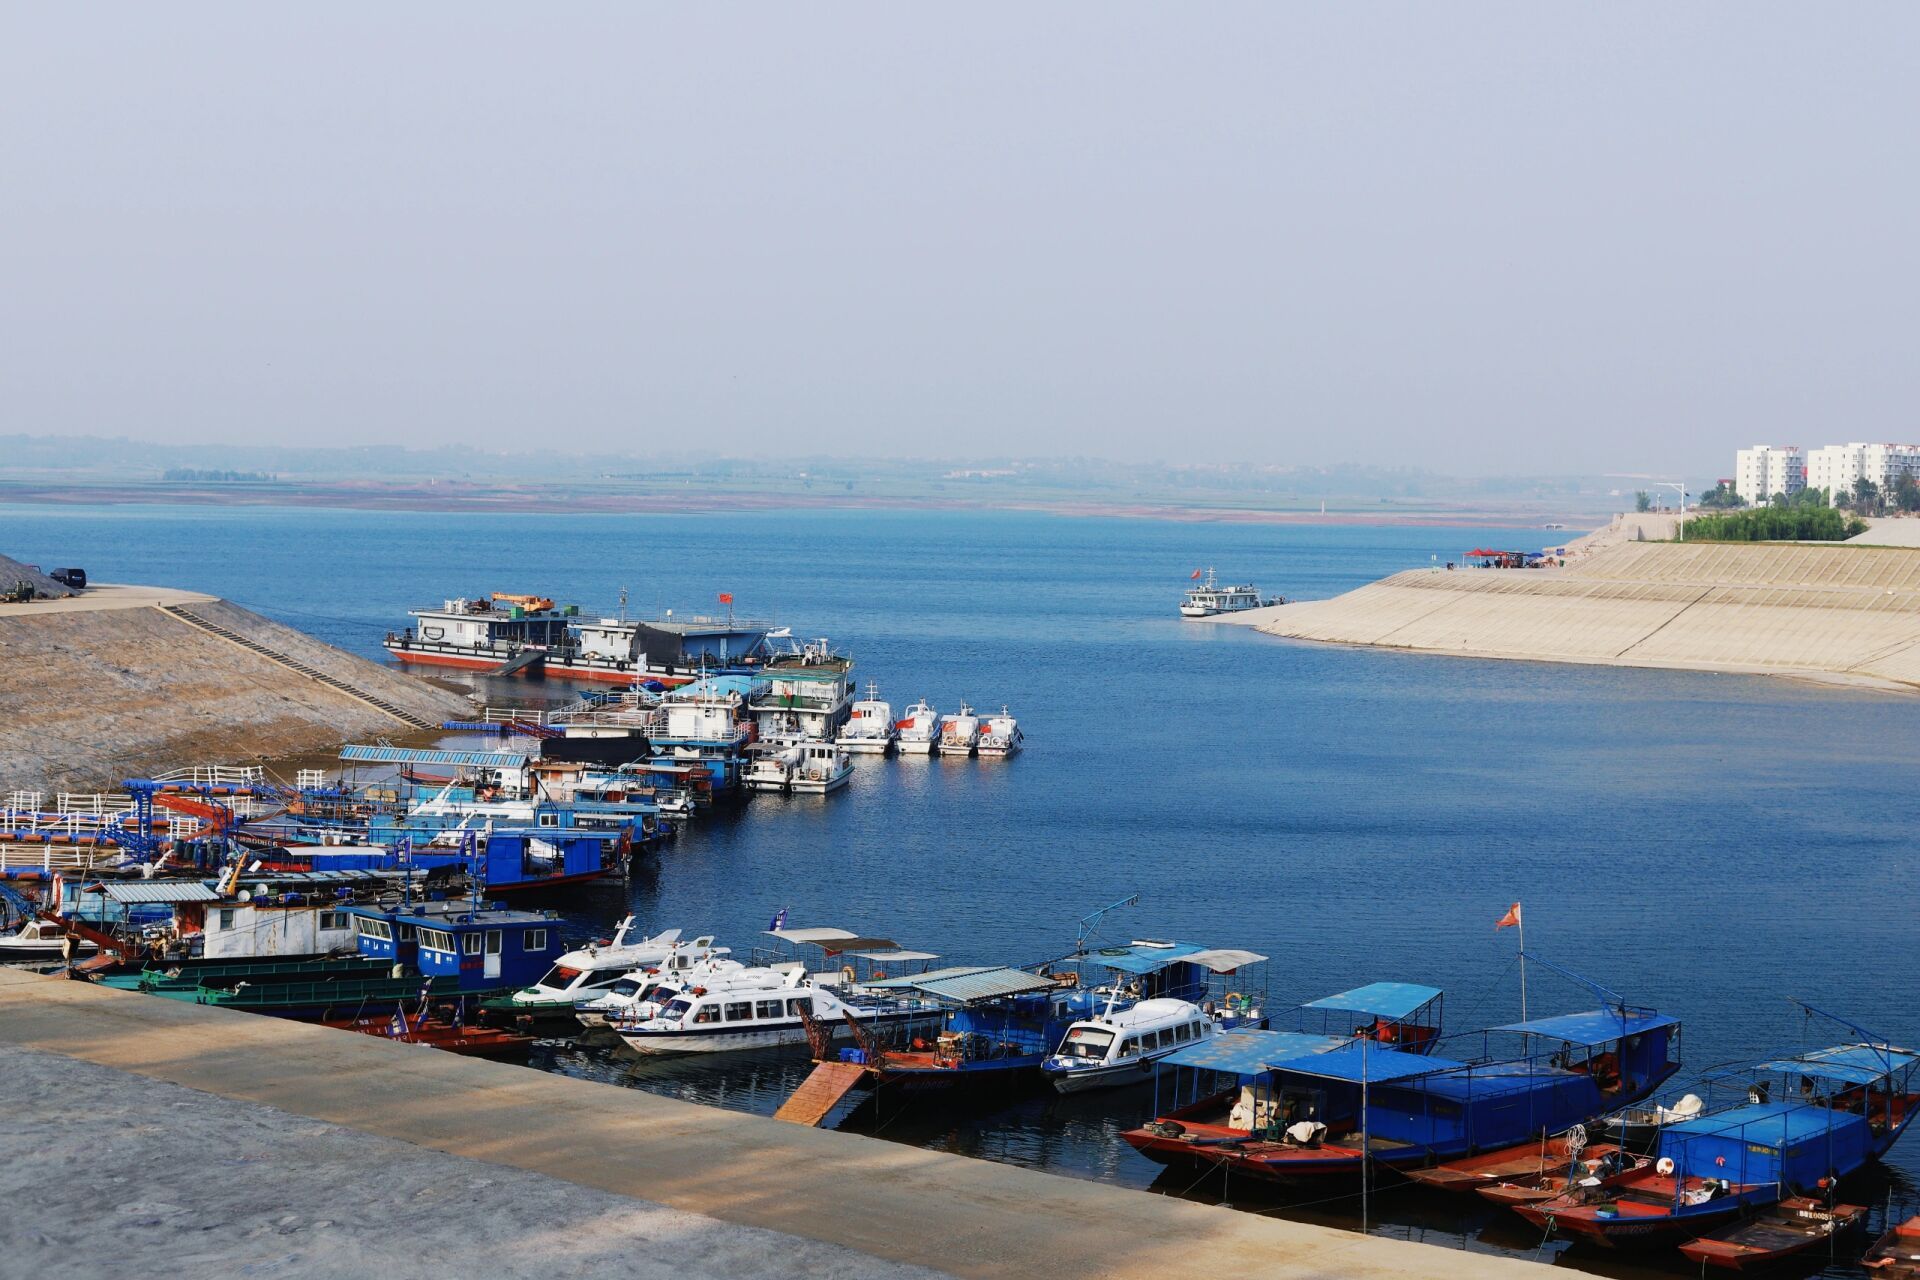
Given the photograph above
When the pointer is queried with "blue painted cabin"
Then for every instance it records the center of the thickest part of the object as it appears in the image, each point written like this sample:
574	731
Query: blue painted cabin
461	947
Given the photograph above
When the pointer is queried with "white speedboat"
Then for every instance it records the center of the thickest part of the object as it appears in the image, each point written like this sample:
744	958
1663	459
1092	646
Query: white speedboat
959	733
919	730
591	971
1001	736
40	940
823	766
870	730
1210	598
645	992
771	767
1121	1046
757	1009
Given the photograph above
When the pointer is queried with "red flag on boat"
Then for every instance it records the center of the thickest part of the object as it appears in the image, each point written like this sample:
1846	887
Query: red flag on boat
1511	919
1195	575
726	597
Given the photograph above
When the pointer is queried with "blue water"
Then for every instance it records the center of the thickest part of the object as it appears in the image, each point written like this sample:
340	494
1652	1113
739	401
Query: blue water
1706	844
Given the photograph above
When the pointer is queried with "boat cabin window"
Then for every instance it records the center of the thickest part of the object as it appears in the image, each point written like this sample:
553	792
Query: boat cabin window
794	1007
1199	1030
740	1012
333	919
549	819
405	933
1087	1042
767	1009
436	940
534	940
375	929
470	944
710	1013
676	1009
559	976
226	919
625	987
1183	1032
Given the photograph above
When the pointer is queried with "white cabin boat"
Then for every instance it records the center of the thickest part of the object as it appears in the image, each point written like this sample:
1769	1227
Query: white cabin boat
756	1009
642	993
1210	598
823	767
592	971
919	730
959	733
40	940
770	767
1121	1046
870	730
1000	735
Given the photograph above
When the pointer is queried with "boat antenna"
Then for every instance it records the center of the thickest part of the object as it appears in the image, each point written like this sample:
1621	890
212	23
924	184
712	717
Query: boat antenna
1089	924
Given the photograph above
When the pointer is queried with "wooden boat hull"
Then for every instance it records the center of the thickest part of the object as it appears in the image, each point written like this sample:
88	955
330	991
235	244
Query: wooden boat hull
1795	1227
1895	1255
473	1042
1634	1231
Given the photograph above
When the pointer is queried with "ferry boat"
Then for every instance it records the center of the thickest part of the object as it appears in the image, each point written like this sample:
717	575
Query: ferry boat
1160	1001
507	634
759	1008
1801	1122
1000	736
959	733
919	730
804	695
642	993
870	730
1210	598
41	940
588	972
823	767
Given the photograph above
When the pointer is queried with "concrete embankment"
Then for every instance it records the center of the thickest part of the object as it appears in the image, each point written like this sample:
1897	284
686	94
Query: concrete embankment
1833	612
877	1199
121	680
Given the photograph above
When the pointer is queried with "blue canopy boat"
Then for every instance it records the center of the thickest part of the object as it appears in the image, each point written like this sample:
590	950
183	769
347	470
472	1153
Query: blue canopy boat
1799	1124
1300	1106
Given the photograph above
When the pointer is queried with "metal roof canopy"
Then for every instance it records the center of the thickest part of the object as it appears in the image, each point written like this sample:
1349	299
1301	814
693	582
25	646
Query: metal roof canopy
150	891
898	955
966	984
364	754
1846	1063
1143	957
838	945
1381	999
1250	1052
812	935
1225	959
1593	1027
1360	1062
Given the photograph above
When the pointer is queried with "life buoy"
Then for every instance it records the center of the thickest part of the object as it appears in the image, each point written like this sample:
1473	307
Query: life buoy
846	973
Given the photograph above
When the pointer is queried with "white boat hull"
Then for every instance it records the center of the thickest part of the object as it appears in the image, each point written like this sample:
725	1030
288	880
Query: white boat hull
1196	611
820	786
721	1042
956	748
1109	1077
916	746
866	746
1000	753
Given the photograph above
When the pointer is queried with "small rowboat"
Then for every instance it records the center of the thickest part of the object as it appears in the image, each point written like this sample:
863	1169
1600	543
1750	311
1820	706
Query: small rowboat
1796	1225
1604	1167
473	1041
1896	1255
1548	1161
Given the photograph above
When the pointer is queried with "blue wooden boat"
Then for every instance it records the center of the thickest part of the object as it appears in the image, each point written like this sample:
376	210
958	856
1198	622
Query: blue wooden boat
1800	1123
1300	1106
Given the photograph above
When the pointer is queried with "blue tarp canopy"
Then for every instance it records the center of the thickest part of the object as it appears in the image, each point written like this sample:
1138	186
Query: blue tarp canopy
1847	1063
1143	957
1594	1027
1777	1123
423	755
1381	999
968	983
1249	1053
1356	1061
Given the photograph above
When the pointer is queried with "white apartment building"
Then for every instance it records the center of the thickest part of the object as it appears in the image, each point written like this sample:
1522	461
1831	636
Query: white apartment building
1836	467
1767	469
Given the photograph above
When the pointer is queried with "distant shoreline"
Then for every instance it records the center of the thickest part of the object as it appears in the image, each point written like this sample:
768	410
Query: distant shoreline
525	499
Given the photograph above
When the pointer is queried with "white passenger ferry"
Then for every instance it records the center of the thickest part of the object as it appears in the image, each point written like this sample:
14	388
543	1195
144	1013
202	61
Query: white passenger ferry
959	733
756	1009
1001	735
1120	1047
1210	598
643	993
871	730
591	971
919	730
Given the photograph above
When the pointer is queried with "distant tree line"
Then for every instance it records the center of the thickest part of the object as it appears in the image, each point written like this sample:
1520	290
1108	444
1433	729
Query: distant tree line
1805	522
195	475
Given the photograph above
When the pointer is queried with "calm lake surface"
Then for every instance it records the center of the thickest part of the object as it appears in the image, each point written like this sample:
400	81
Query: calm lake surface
1706	844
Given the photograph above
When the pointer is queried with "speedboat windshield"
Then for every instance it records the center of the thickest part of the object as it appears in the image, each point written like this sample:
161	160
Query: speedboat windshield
1086	1042
560	977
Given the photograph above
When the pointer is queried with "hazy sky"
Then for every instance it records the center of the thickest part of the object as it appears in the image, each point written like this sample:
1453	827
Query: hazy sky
1526	237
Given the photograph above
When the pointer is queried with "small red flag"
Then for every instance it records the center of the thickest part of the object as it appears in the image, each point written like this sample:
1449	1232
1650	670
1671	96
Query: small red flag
1196	575
726	597
1510	919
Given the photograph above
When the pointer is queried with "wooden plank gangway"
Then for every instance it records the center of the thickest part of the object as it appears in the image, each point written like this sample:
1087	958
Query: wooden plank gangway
820	1093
